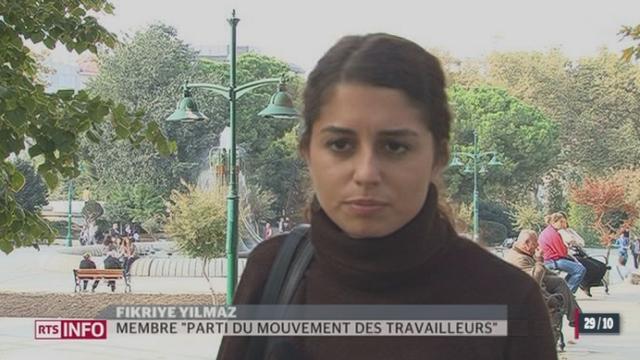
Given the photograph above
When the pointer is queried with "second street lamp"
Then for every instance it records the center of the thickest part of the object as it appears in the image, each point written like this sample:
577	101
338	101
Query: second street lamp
280	106
475	160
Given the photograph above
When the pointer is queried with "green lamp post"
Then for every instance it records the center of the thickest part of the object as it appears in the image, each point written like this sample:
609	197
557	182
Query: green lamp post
280	106
475	161
70	199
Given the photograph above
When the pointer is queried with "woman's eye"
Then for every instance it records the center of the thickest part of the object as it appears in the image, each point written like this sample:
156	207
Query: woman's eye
396	147
340	145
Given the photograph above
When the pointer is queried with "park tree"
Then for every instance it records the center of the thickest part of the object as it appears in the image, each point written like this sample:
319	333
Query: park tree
145	73
526	215
284	172
607	200
138	203
52	124
606	101
524	138
582	97
194	236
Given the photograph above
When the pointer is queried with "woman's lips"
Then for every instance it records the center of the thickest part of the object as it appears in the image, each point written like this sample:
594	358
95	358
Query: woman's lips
365	207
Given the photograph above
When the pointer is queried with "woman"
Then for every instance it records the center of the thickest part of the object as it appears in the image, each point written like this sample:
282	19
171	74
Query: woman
623	244
635	251
128	252
555	251
375	140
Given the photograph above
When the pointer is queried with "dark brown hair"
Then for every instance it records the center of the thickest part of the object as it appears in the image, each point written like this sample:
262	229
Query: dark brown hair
387	61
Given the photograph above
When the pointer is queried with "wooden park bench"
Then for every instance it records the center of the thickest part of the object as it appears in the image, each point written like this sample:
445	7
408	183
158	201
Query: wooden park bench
101	274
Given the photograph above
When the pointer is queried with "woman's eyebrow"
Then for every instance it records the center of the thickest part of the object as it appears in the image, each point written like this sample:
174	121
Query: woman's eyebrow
398	132
391	132
338	130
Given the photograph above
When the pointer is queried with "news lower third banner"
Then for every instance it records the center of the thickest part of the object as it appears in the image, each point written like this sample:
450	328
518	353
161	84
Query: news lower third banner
284	320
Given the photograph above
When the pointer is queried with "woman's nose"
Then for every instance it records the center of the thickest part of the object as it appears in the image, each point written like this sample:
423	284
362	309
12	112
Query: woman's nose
367	170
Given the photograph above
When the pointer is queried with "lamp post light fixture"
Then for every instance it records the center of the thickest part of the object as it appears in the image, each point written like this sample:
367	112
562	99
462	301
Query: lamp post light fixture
475	159
280	106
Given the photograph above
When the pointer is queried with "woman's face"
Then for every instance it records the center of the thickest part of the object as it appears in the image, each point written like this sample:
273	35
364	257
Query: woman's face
371	159
561	224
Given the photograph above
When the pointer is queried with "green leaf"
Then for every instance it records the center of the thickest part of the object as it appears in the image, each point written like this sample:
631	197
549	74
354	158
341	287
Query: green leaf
78	12
122	132
49	42
51	179
37	37
16	181
92	137
6	246
35	150
65	94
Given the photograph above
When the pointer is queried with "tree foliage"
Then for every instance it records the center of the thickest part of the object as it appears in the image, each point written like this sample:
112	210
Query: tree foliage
526	215
197	223
33	195
524	138
611	210
633	34
53	123
593	95
270	145
134	203
145	73
581	219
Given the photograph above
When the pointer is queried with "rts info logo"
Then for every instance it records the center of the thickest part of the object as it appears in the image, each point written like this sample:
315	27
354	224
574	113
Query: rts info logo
71	329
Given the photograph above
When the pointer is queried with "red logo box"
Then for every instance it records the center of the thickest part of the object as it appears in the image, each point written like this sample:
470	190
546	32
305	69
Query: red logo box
70	329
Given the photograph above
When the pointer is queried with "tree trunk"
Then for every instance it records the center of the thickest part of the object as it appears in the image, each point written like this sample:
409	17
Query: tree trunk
205	273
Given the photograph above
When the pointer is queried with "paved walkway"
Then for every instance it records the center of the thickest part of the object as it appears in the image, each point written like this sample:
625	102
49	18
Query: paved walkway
29	270
42	272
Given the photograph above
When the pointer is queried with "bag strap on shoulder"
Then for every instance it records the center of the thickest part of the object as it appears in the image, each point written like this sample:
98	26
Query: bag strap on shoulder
282	264
288	268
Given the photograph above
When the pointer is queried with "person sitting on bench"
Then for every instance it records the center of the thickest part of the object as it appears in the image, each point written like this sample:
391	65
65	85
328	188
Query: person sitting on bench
556	256
112	262
87	263
527	256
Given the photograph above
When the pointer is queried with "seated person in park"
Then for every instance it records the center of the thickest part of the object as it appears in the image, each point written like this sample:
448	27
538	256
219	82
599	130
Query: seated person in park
128	252
87	263
112	262
555	252
527	256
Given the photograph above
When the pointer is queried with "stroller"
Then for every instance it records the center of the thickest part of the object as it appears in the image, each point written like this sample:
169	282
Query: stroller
596	270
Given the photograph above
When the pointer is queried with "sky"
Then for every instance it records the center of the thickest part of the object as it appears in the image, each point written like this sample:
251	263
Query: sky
300	31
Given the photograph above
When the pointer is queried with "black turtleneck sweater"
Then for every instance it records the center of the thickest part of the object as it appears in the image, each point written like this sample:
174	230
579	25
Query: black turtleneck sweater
424	262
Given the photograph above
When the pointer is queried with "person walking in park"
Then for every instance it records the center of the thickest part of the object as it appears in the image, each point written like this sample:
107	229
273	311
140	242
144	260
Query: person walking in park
87	263
281	225
635	251
268	231
376	141
556	256
623	244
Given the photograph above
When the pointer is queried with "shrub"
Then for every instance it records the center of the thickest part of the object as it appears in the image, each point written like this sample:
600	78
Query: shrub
492	233
197	222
